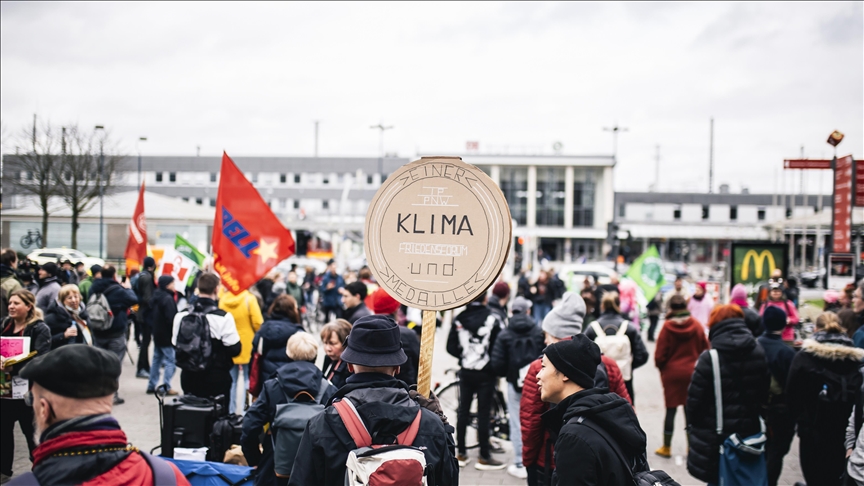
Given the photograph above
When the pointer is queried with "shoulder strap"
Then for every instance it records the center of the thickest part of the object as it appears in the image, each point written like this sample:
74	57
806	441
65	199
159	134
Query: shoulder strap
601	334
163	473
27	478
718	389
408	435
612	443
622	328
353	423
321	389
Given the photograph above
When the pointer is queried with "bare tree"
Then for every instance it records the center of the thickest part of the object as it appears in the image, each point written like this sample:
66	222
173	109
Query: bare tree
79	174
31	170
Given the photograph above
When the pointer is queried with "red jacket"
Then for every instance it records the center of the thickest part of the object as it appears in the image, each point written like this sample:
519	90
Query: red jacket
132	471
534	436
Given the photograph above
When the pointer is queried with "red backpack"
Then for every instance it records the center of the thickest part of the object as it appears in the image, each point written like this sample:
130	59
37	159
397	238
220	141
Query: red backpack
381	464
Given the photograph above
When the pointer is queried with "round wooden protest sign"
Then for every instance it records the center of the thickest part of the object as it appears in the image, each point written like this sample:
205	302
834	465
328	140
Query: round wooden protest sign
437	233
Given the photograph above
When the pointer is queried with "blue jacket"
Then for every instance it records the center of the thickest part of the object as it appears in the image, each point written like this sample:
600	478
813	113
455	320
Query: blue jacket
120	299
290	380
275	333
331	296
858	338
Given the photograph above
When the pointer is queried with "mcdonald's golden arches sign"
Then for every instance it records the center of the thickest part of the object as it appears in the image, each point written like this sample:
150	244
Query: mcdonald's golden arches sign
754	262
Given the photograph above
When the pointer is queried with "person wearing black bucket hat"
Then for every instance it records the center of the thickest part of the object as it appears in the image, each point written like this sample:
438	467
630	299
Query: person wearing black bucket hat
374	354
587	420
79	440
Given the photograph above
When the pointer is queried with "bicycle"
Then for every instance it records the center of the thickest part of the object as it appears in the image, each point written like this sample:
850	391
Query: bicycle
32	236
499	418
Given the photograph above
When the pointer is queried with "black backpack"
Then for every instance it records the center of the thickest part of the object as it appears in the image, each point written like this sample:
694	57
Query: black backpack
639	471
226	432
194	348
523	351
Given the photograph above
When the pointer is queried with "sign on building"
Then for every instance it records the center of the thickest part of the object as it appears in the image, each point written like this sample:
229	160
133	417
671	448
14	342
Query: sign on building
841	221
754	262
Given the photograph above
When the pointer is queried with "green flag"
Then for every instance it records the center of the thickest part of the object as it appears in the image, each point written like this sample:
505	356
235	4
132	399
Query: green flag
647	272
188	249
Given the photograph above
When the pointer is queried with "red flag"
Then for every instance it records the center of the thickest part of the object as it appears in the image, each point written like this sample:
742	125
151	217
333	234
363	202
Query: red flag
136	246
248	239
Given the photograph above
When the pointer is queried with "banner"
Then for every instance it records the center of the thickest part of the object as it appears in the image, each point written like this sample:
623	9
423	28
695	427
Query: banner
841	221
189	250
179	266
753	263
248	239
647	272
136	245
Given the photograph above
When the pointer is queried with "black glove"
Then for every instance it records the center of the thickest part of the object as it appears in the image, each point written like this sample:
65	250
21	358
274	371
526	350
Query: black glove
430	403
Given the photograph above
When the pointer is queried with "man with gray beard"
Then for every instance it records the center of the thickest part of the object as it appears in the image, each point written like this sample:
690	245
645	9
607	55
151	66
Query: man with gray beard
79	441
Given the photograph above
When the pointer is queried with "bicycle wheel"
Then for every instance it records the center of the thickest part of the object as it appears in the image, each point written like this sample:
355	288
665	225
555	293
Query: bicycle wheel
448	398
25	241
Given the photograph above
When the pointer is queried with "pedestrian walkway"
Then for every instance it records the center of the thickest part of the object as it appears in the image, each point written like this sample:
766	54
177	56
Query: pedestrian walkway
139	417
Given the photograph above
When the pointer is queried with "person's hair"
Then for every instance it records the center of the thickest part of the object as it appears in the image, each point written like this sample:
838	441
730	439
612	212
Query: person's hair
610	302
849	321
286	306
829	322
108	271
340	327
861	287
65	291
723	312
302	347
8	256
677	302
132	272
208	283
588	297
34	314
364	274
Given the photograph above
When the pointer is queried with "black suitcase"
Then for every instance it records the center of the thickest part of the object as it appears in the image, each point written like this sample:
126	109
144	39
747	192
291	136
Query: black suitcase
187	421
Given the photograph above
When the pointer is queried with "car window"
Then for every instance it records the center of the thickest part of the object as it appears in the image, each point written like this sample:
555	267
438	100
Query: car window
77	254
48	255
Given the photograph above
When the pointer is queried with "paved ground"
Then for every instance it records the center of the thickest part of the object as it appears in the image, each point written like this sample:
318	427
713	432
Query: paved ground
139	417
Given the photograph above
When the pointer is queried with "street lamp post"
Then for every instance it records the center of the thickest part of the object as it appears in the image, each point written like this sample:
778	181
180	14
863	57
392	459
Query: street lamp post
140	139
615	130
101	190
382	128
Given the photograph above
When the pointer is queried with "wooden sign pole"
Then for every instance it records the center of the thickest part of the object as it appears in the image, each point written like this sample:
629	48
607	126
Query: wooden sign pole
427	349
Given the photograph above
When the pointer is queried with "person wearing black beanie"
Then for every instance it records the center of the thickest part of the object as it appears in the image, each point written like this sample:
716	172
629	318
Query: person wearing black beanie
779	422
587	421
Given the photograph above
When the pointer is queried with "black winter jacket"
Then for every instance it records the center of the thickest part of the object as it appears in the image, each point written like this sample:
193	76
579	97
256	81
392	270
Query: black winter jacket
275	333
779	356
583	456
353	313
744	379
610	322
163	308
58	320
516	347
120	300
824	356
472	337
386	410
338	375
411	346
753	321
498	309
145	286
40	339
290	380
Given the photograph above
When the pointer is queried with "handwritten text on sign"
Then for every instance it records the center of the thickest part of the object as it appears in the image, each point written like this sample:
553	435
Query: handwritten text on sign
437	233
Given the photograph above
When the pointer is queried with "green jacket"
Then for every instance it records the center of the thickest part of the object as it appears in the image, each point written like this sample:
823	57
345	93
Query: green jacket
84	287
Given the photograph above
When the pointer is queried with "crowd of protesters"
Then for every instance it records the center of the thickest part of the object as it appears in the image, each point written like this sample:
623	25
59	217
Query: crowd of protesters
567	359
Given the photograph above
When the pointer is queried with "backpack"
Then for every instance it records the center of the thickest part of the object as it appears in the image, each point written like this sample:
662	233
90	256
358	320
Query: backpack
163	473
399	463
642	477
226	432
616	346
523	351
288	426
194	348
101	316
742	460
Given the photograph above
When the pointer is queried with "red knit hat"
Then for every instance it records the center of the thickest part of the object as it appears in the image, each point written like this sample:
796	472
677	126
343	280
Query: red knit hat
382	303
501	290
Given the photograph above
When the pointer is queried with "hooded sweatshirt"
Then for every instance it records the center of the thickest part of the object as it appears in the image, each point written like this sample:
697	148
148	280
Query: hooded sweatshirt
589	458
682	339
247	316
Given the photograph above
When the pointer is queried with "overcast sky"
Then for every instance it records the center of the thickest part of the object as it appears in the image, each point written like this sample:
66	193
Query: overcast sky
252	78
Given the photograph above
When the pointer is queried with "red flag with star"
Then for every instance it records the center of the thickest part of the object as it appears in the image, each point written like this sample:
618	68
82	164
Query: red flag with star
248	239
